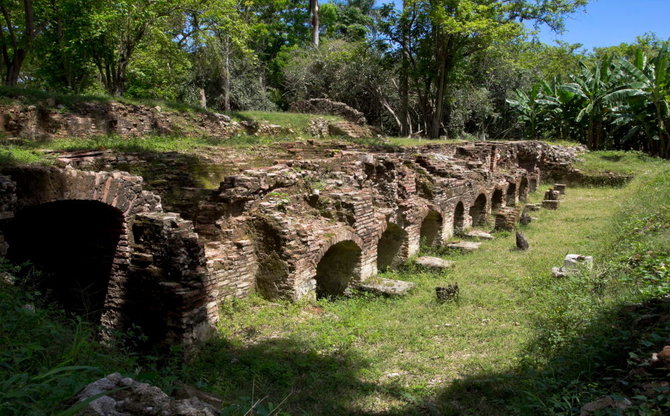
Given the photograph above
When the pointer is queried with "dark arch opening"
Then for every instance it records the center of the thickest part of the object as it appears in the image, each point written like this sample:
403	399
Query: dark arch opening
72	244
511	194
497	200
459	218
431	229
478	210
523	189
389	249
337	268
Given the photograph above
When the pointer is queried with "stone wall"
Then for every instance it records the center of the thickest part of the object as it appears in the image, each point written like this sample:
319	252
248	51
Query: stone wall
298	229
326	106
41	122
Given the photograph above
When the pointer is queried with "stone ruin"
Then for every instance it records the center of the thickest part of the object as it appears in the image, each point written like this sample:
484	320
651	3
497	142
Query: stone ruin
301	228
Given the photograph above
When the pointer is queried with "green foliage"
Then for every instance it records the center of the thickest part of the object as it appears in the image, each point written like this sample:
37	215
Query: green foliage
613	103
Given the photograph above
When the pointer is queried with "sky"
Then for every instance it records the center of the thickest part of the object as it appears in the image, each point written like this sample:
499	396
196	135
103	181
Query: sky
611	22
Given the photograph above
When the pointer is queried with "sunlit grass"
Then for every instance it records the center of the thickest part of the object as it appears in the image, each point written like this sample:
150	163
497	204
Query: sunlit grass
400	351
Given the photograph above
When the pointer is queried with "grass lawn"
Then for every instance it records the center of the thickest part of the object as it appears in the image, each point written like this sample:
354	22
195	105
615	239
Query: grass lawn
369	355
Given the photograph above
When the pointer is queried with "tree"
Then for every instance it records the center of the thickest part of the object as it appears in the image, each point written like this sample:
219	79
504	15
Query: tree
17	33
645	96
314	12
118	28
447	32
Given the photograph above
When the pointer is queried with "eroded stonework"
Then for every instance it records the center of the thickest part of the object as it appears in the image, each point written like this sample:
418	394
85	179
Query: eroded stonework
302	228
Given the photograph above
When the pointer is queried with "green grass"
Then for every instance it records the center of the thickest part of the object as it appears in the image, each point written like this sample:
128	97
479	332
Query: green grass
12	155
618	162
297	122
47	356
374	355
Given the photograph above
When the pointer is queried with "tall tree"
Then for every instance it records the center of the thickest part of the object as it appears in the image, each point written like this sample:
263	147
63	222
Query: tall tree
314	12
17	34
450	31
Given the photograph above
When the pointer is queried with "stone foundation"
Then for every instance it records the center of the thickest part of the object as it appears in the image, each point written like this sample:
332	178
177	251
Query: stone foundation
301	228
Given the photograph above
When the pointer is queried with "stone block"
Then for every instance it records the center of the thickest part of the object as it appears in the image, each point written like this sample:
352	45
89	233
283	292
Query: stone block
435	263
551	204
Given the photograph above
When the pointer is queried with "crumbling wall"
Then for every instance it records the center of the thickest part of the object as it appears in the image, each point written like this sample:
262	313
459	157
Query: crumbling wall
280	229
326	106
86	119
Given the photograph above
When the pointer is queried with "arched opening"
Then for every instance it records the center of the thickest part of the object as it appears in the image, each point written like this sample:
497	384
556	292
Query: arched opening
511	194
389	249
431	229
523	189
478	211
497	200
459	218
73	246
337	268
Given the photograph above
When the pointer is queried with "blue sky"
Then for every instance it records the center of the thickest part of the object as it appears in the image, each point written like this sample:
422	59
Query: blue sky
611	22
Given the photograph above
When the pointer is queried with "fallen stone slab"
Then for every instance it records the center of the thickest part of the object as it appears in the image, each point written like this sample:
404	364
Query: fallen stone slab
560	188
466	246
434	263
385	287
482	235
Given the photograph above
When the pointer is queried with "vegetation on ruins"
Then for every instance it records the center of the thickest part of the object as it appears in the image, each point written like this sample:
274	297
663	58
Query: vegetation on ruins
241	202
516	342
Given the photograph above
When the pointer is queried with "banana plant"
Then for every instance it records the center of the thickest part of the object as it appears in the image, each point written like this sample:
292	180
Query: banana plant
645	107
529	110
592	88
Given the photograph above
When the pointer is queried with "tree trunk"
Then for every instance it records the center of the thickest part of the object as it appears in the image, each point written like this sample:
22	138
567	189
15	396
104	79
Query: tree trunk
20	48
314	10
439	96
203	98
226	79
14	68
404	78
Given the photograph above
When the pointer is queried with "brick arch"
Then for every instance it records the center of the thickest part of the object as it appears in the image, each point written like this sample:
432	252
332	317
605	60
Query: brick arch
431	231
511	193
458	217
338	236
392	245
82	246
478	209
150	242
120	190
523	188
339	264
497	199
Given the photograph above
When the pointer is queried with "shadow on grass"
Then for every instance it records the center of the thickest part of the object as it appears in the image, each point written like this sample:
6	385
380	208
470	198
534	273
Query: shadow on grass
307	381
606	358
